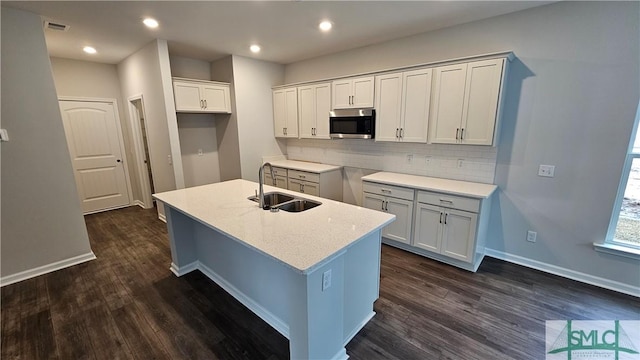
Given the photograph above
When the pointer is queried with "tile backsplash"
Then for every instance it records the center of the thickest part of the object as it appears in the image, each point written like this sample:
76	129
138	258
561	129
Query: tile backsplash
457	162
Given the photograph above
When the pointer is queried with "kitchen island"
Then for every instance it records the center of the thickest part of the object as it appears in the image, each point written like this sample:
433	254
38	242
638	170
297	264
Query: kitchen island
312	275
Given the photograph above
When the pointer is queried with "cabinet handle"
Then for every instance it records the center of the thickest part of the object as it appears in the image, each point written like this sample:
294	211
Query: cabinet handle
301	188
397	131
401	133
461	133
382	205
386	191
302	176
201	105
446	201
441	217
445	218
284	131
205	104
457	131
386	206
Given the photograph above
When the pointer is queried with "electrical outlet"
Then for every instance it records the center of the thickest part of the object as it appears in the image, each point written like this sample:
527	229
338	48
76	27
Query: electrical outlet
409	158
169	159
531	236
326	280
460	163
546	170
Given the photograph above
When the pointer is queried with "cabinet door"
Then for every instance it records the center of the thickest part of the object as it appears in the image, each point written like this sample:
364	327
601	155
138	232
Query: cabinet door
362	92
448	101
458	237
373	201
428	232
323	106
187	96
291	128
310	188
399	230
307	111
279	112
481	101
388	106
216	98
281	182
416	98
341	94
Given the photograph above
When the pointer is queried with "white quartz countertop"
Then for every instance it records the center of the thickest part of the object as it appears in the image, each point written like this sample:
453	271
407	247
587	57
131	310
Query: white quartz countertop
305	166
454	187
303	241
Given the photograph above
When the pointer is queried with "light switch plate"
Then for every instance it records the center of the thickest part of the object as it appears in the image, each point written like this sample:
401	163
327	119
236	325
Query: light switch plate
546	170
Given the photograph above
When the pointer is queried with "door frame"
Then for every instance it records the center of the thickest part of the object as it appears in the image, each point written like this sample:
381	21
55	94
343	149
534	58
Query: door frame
138	151
116	113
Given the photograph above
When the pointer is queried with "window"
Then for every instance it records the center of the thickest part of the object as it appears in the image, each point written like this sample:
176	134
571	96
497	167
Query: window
623	236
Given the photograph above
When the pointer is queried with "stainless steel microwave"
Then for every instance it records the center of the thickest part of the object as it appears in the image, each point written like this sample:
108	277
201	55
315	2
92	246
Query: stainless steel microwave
352	124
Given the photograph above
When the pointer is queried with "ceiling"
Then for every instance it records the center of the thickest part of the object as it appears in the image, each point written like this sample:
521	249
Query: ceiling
287	31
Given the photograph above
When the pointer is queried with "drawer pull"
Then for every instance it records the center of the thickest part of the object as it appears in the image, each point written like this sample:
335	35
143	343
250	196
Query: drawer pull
301	176
446	201
386	191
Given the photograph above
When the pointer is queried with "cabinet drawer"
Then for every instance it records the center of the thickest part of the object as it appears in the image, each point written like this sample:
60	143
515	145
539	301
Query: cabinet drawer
303	175
278	171
388	190
449	201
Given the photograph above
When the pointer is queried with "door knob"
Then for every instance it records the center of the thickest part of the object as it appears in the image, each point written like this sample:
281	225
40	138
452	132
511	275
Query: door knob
118	160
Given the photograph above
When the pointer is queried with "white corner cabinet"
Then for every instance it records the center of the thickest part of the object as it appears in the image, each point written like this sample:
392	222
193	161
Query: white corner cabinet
285	112
446	220
467	101
352	93
200	96
402	106
308	178
314	104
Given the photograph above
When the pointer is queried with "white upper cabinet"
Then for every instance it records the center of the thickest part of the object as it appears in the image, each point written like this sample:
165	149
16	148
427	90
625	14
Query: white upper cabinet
198	96
466	102
285	112
352	93
402	106
314	104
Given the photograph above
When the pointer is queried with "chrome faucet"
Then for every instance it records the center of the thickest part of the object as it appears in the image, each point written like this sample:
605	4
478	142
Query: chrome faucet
261	181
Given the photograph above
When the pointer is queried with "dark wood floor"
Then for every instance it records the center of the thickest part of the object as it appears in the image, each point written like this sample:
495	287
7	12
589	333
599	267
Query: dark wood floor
128	305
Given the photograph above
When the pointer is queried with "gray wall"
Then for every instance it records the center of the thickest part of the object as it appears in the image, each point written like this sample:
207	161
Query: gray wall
140	75
227	125
571	101
42	220
253	80
95	80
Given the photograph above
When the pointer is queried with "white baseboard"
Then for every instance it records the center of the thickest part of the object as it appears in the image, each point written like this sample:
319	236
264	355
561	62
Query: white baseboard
139	203
179	271
41	270
162	217
564	272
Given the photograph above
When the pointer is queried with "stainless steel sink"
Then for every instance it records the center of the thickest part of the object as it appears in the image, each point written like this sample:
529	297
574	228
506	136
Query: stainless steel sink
296	205
275	201
273	198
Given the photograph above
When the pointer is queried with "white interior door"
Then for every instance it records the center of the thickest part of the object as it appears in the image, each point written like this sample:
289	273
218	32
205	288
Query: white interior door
95	146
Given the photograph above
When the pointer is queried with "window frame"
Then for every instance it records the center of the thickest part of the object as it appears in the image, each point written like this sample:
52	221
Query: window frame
610	244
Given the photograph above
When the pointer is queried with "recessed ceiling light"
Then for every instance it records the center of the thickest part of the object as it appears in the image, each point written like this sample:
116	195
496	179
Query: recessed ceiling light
89	50
325	25
151	23
254	48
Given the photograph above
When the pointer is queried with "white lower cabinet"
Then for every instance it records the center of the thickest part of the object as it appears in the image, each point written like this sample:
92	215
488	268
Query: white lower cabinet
445	231
394	200
448	228
305	187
